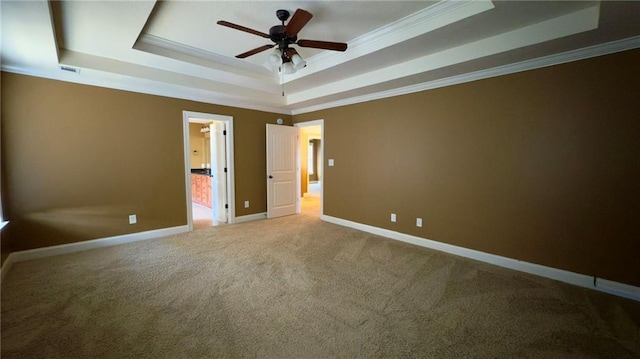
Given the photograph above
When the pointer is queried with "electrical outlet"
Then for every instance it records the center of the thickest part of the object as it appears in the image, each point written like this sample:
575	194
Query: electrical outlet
418	222
393	217
133	219
246	204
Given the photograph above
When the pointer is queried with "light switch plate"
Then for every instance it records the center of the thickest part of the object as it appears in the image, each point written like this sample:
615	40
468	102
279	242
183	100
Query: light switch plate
330	162
133	219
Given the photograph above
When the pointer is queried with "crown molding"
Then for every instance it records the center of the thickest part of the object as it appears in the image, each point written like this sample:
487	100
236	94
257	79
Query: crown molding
147	87
550	60
562	26
162	89
162	47
426	20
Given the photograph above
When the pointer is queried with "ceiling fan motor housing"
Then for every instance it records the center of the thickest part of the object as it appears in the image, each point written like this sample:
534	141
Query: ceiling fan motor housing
278	35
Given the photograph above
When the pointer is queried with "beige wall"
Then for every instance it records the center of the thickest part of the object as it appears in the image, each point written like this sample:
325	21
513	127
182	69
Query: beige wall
196	142
79	159
540	166
316	150
304	170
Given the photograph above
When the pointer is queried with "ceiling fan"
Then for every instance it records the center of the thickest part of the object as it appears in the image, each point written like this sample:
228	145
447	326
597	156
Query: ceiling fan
285	58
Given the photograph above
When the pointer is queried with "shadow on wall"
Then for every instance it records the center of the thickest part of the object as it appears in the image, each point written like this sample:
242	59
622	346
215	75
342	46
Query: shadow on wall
73	224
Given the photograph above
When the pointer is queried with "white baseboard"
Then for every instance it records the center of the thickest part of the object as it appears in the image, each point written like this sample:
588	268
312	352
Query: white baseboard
619	289
6	267
582	280
30	254
251	217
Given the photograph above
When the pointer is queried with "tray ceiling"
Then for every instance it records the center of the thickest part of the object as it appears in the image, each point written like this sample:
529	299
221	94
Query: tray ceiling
175	48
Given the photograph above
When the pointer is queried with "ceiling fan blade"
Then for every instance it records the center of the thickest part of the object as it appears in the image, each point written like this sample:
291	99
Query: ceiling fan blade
327	45
242	28
297	22
254	51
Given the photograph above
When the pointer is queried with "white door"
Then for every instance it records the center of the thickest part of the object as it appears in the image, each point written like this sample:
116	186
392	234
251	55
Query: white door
218	171
282	179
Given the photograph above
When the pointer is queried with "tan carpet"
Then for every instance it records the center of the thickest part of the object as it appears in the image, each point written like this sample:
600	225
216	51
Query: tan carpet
296	287
202	216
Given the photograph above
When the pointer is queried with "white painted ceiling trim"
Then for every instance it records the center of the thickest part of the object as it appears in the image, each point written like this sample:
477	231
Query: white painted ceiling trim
579	21
550	60
402	47
134	84
419	23
163	47
161	89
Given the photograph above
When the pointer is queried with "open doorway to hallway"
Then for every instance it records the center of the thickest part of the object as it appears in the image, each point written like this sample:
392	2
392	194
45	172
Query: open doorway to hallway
208	140
312	169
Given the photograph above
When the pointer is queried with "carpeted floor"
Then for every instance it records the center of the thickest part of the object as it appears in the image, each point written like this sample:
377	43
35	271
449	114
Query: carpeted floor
296	287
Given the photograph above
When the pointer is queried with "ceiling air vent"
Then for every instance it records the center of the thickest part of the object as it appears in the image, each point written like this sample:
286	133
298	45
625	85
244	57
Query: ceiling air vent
75	70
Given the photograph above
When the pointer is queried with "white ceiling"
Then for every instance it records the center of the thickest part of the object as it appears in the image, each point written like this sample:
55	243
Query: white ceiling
175	48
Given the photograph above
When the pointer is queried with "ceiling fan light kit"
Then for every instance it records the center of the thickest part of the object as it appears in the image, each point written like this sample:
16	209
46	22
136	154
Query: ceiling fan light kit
285	59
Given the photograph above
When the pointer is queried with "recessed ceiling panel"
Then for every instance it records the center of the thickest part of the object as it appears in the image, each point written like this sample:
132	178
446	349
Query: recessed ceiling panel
193	23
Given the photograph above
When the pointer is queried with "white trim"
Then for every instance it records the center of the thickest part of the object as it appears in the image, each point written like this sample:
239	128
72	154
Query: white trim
619	289
251	217
231	190
6	267
541	62
557	27
163	47
103	79
2	224
30	254
580	280
187	169
298	172
429	19
603	285
21	256
180	92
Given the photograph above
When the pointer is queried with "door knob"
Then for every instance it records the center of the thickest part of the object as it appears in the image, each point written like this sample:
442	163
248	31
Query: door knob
270	176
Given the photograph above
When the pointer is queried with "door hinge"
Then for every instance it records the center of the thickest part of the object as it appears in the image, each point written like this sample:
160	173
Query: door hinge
226	206
224	132
225	170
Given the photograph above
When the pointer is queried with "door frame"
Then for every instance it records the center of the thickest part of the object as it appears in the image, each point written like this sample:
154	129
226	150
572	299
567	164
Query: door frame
218	171
231	192
319	122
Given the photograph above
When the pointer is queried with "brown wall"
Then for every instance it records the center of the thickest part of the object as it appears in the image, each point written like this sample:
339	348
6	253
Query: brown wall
79	159
541	166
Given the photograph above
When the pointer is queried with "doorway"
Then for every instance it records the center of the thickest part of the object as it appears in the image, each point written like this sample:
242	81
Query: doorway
209	172
311	149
